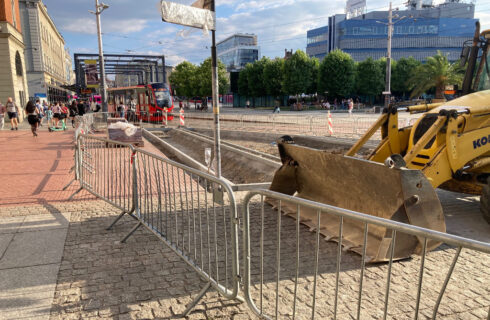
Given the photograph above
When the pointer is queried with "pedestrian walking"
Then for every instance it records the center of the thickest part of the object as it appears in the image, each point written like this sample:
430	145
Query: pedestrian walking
13	113
81	108
73	112
350	106
32	117
3	110
121	108
56	113
64	114
49	116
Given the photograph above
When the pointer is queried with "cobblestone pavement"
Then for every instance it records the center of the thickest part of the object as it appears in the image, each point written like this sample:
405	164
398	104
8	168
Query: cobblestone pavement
101	278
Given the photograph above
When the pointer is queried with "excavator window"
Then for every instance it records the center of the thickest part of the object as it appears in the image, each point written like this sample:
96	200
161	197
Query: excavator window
424	125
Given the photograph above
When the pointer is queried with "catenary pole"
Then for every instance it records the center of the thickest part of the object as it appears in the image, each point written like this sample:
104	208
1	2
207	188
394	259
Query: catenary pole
103	92
388	59
215	87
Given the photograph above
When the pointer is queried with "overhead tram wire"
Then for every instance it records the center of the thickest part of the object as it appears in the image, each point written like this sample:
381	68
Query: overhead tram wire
261	42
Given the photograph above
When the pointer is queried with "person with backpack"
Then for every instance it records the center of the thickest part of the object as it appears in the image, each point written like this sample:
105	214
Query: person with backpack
32	116
13	113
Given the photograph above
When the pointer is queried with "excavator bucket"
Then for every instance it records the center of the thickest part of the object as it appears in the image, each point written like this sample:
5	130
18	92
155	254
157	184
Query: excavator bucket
394	193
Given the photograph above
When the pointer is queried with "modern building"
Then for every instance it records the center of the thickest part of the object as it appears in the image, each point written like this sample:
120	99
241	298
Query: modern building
47	61
317	42
13	80
238	50
424	30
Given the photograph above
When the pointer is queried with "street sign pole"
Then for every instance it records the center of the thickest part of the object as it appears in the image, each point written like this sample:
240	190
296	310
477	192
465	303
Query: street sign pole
215	87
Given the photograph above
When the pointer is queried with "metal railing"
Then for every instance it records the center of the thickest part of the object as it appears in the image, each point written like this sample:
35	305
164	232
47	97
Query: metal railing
286	271
192	212
313	125
291	272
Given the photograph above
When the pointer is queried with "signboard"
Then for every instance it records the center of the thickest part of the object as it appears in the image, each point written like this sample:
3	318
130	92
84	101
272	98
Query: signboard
91	74
196	15
354	8
86	91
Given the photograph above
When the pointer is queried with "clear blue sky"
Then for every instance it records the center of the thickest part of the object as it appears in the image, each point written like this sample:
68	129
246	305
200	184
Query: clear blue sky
136	25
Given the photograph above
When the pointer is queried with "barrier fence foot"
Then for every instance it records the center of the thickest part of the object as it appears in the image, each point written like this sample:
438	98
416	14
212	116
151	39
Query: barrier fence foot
119	218
75	193
131	232
194	302
69	184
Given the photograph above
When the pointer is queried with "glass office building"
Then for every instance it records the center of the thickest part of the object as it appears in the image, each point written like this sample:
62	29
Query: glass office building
238	50
317	42
420	34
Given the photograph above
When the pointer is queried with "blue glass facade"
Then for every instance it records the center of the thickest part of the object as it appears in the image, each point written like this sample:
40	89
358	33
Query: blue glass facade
420	35
317	42
418	38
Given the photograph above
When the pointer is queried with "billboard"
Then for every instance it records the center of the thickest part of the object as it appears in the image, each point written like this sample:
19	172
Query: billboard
91	74
354	8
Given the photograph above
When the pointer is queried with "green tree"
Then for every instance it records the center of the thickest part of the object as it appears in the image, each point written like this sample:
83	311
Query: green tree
370	78
205	81
256	83
436	73
401	73
273	77
314	66
298	73
336	74
183	79
243	87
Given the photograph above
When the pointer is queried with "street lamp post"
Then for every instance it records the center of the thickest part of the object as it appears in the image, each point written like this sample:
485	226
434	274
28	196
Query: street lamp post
215	94
99	8
390	24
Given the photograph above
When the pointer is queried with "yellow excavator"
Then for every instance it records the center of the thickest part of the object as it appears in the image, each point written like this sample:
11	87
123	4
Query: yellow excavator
447	147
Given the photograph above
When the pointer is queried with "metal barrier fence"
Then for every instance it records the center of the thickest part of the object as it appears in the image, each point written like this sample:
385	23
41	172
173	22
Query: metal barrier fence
192	212
291	273
315	125
287	271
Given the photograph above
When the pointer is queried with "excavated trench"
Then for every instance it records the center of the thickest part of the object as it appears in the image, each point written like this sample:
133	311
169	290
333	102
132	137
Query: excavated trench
246	157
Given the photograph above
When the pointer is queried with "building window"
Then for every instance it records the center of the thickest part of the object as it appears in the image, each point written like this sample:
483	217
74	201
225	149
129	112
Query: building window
355	30
18	64
14	15
411	29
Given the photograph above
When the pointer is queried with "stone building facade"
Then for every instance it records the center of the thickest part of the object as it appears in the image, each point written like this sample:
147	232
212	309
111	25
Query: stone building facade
47	61
13	79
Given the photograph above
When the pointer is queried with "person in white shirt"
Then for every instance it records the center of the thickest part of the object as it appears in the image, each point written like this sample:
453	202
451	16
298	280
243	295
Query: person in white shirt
13	112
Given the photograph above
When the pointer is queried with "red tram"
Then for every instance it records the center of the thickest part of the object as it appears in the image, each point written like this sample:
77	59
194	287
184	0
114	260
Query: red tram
151	101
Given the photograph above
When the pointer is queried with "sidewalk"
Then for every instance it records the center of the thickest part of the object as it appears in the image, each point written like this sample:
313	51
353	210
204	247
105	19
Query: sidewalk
32	229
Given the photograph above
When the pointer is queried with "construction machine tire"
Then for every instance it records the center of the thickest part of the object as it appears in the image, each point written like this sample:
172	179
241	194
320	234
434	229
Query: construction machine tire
485	201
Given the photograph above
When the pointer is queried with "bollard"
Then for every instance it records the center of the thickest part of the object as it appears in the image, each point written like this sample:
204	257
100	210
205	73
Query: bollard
182	121
330	124
166	117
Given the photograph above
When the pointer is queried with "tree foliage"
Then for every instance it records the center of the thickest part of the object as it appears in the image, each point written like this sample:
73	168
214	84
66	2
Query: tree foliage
370	77
256	78
336	74
205	79
243	86
401	73
273	77
436	73
297	72
183	79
